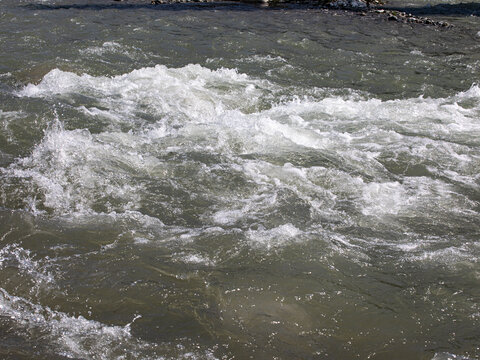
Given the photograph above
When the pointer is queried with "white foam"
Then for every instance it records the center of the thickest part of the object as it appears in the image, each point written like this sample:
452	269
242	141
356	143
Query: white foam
73	180
416	52
70	334
274	238
451	256
449	356
108	46
383	198
22	259
5	115
195	258
228	216
223	112
192	91
408	247
78	337
196	93
140	240
472	93
266	59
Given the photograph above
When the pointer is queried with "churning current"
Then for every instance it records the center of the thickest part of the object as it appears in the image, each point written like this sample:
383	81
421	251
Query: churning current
231	181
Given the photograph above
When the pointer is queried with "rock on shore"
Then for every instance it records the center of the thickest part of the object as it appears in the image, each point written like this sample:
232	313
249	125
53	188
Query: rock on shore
362	7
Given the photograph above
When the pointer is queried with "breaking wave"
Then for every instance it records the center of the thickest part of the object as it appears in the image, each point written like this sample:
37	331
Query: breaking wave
239	153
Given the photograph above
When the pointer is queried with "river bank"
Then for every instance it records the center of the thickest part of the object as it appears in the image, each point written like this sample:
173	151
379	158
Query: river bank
361	7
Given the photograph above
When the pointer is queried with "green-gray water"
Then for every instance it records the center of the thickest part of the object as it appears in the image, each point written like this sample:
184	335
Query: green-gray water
229	181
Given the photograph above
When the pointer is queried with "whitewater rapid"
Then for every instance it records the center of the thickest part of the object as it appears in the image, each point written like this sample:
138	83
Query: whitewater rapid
171	157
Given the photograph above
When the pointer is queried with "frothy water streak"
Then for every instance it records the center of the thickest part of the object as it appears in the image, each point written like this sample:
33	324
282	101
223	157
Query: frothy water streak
75	336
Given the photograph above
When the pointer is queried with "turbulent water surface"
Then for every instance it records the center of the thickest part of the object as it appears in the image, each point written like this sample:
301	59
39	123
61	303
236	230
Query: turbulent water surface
229	181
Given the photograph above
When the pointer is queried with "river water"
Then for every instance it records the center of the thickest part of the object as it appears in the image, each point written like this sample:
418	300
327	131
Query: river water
231	181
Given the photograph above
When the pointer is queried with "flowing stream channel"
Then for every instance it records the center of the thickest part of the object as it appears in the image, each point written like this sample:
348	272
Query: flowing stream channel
234	181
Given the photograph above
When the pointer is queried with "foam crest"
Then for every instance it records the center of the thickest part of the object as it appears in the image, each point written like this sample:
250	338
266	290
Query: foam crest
449	356
67	331
195	259
434	251
5	116
473	93
112	47
274	238
191	129
78	337
22	259
447	118
72	180
235	101
72	336
267	59
192	91
383	198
